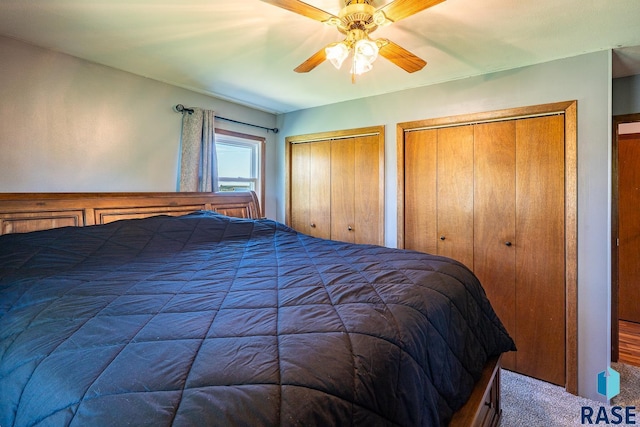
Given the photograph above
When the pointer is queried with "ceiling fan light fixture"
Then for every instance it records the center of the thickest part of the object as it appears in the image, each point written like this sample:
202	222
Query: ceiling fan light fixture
366	48
360	65
337	53
357	20
365	53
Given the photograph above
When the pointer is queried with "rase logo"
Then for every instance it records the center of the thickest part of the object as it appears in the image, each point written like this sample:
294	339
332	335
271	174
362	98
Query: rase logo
609	386
609	383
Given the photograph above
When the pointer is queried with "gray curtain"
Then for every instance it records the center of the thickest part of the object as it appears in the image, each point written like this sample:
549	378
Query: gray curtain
198	161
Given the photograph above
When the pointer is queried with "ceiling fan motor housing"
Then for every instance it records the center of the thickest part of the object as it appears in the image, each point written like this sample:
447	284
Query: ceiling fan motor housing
357	15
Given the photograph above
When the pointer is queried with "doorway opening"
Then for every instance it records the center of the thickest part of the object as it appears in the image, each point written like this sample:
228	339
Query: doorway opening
625	309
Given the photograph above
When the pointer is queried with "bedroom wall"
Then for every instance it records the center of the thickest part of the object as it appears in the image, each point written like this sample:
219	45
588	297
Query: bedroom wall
71	125
585	78
626	95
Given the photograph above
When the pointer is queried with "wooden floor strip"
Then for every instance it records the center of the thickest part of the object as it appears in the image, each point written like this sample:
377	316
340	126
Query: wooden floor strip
629	350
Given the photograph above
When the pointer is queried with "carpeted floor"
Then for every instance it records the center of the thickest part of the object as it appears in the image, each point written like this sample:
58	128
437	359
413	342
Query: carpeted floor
528	402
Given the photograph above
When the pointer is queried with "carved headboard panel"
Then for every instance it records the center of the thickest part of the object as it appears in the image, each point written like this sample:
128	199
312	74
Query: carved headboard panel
24	212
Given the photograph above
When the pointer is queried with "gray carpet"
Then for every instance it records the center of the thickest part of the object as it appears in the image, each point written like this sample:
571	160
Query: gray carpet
531	403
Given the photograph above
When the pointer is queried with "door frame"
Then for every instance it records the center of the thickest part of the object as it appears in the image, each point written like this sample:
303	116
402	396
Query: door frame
570	111
616	120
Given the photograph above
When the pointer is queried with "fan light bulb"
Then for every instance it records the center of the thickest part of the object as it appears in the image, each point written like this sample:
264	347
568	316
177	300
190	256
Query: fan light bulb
337	53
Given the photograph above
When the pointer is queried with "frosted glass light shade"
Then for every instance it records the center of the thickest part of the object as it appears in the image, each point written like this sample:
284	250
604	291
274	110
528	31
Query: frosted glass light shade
365	52
367	49
336	54
360	65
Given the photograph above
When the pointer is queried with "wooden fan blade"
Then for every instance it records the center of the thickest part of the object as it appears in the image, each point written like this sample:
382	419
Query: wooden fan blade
316	59
302	8
400	9
400	56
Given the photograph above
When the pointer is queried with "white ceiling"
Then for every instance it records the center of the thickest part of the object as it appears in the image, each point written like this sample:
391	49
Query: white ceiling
246	50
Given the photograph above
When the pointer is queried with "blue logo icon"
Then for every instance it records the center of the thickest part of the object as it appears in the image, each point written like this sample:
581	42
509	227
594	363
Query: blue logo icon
609	383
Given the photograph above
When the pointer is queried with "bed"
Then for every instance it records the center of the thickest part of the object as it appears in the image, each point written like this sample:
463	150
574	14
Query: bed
190	309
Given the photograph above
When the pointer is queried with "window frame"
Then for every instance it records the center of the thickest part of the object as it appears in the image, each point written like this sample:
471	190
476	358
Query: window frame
259	143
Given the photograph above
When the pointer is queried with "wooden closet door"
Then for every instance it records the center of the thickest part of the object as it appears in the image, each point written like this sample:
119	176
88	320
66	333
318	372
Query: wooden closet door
343	190
494	220
498	198
320	189
310	188
629	227
455	193
367	190
540	253
420	196
300	187
355	190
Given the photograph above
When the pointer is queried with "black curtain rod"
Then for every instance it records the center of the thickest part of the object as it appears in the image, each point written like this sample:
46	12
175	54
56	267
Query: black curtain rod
182	109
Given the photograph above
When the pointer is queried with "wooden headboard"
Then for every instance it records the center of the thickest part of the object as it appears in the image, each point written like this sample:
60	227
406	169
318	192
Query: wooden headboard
24	212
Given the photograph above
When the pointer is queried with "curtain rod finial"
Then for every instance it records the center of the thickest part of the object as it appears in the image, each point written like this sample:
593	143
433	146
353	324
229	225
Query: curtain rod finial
179	108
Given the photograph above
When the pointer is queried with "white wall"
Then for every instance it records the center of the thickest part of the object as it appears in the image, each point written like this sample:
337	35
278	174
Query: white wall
70	125
585	78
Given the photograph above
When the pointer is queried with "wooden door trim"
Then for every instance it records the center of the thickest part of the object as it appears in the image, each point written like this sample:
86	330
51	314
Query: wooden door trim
378	131
569	110
616	120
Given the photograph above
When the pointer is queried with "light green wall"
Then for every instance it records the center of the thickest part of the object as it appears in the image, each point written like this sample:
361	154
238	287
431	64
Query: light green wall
585	78
626	95
70	125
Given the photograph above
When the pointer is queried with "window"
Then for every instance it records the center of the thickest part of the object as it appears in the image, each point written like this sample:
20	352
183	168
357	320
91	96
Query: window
240	162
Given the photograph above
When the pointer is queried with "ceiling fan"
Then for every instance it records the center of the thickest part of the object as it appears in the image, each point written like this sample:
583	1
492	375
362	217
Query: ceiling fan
357	20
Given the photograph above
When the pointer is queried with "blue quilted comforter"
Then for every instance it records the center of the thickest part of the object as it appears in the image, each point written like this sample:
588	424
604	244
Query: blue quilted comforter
210	320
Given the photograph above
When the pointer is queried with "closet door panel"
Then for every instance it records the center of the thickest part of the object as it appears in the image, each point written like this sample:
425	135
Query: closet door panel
494	220
540	257
455	193
300	179
320	189
342	190
420	207
499	206
367	192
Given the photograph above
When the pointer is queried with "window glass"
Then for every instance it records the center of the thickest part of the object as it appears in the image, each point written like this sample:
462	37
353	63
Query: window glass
234	160
240	162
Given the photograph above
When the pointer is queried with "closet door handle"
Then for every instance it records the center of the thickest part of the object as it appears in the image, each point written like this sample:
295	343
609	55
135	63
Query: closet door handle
442	237
350	228
507	243
312	225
